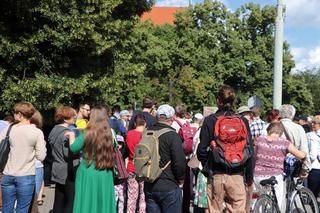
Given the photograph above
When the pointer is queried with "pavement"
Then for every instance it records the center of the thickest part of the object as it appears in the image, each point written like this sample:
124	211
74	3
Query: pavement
48	200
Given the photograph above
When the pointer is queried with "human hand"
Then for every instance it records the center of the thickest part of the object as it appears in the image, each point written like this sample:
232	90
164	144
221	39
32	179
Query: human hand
303	174
71	136
181	182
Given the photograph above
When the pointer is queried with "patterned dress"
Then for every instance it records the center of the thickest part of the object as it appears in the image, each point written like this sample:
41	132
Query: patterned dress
200	198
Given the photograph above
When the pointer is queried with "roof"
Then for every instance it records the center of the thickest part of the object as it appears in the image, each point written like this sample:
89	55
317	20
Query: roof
161	15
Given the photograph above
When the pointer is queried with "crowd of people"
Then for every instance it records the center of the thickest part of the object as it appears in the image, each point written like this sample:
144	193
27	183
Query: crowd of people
82	147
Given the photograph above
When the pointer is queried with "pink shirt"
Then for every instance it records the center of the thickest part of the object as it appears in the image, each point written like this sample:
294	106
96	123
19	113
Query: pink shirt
270	156
133	138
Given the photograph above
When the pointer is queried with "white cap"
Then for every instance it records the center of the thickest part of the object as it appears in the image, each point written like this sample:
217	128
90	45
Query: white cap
124	113
198	116
166	110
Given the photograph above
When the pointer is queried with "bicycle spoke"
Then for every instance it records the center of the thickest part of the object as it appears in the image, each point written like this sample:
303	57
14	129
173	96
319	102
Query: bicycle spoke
305	210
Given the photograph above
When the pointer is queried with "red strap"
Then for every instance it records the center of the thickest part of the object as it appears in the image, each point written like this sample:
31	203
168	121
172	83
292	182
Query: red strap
176	120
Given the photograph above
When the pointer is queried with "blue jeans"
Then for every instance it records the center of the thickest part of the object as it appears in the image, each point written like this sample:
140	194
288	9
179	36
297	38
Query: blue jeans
162	202
39	179
18	189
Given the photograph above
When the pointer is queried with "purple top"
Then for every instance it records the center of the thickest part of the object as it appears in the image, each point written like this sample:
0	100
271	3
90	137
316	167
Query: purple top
270	156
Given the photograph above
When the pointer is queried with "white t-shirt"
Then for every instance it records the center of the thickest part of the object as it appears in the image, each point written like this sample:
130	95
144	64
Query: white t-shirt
175	124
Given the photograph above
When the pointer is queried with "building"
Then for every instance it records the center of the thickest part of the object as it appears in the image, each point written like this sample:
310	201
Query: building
161	15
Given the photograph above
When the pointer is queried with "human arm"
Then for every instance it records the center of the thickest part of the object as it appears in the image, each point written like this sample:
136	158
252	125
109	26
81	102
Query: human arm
178	160
206	136
250	164
76	144
304	141
40	147
295	152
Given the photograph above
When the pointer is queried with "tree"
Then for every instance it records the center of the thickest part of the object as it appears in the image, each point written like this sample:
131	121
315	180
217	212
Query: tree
311	79
64	52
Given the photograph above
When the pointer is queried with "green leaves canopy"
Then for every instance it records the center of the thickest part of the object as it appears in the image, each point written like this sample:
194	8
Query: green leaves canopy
64	52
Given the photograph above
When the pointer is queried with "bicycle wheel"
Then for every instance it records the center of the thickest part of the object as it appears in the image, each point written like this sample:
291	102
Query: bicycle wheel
303	200
264	205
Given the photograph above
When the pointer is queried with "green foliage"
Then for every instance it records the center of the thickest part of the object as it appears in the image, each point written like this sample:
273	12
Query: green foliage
63	52
311	79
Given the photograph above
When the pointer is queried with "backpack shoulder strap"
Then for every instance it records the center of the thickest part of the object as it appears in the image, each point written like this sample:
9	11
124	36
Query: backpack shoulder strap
178	122
160	132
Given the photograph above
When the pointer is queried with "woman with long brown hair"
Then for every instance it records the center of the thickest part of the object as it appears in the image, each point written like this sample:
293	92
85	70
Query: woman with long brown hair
94	179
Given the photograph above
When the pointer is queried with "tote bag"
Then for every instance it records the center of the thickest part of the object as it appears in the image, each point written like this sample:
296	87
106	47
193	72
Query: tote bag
4	150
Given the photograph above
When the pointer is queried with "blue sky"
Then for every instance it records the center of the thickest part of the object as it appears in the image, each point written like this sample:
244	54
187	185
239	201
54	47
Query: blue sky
302	26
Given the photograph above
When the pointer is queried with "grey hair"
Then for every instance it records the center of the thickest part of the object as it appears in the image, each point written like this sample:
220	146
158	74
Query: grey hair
287	111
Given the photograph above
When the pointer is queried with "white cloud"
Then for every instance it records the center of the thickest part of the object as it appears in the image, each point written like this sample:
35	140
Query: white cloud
179	3
172	3
306	58
303	12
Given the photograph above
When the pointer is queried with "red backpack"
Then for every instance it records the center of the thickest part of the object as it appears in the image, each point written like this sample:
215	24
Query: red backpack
231	145
187	133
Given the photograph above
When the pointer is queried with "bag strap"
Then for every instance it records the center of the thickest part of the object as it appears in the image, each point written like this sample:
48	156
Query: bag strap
9	130
158	134
115	141
178	122
163	168
285	132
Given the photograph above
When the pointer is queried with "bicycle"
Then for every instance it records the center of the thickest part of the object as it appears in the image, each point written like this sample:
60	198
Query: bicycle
299	198
267	202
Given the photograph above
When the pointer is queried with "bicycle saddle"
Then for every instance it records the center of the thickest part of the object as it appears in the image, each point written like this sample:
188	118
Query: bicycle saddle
271	181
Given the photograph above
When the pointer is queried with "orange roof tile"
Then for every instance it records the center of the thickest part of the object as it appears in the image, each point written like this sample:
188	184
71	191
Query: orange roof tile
161	15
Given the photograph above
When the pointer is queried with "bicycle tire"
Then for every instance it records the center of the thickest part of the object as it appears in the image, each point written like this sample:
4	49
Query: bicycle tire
303	200
264	204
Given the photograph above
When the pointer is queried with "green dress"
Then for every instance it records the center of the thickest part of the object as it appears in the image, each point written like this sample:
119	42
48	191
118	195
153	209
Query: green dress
94	188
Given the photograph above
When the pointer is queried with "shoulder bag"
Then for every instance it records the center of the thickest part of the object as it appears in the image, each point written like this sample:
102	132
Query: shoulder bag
4	150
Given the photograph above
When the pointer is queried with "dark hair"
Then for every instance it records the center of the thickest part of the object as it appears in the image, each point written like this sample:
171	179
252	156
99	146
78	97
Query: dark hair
225	97
98	142
64	113
9	118
272	115
148	102
115	108
82	105
275	127
139	120
180	111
